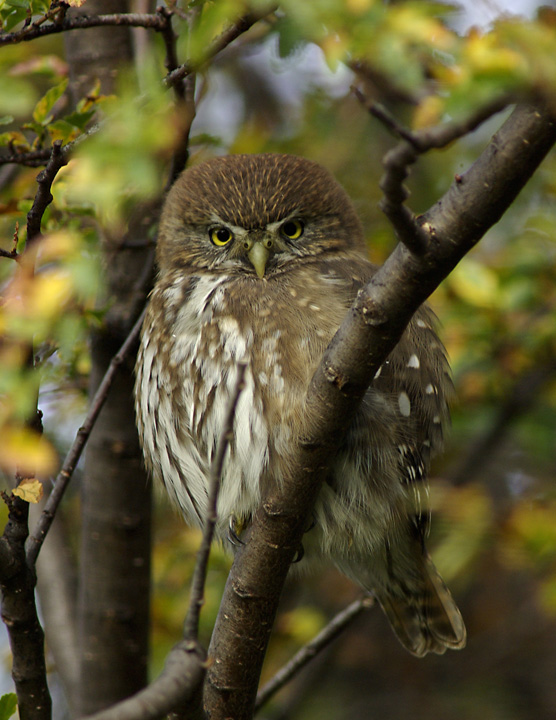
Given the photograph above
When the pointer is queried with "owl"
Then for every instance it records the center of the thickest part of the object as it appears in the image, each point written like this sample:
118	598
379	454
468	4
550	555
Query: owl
259	259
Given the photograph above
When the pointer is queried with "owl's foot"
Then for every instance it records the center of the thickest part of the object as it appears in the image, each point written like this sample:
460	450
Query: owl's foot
300	553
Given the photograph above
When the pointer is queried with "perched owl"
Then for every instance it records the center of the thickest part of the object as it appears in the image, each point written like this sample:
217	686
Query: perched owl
260	257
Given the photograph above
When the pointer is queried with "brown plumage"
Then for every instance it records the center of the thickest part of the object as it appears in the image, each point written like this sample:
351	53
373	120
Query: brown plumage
260	256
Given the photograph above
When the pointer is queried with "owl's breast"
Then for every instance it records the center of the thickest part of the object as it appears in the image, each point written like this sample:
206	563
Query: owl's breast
208	326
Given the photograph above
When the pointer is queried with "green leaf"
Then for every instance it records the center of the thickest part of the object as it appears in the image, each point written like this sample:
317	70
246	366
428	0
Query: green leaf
40	7
8	705
6	120
79	119
290	37
62	130
46	103
10	18
22	4
16	138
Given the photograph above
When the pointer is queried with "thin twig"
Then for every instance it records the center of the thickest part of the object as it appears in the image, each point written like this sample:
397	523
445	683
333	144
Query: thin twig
412	144
185	97
36	540
312	648
12	254
191	625
230	34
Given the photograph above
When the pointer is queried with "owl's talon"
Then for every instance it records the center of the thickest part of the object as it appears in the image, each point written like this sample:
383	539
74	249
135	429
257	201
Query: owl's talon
299	554
312	523
233	536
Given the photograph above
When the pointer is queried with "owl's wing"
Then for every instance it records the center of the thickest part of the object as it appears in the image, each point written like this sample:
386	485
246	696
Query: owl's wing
415	382
415	378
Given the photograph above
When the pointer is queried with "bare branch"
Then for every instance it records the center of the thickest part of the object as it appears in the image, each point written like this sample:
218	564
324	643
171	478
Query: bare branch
37	29
312	648
36	158
64	476
191	626
177	684
185	98
400	158
43	197
370	331
231	33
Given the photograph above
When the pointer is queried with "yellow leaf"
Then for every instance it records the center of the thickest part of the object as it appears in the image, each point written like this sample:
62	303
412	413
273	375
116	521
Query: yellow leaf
475	283
50	294
302	624
30	490
428	112
26	451
358	6
58	245
485	56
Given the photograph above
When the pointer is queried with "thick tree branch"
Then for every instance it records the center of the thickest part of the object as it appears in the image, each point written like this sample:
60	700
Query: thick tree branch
19	613
369	332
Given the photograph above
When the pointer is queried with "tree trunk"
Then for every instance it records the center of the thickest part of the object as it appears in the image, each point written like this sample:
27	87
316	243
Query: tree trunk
114	578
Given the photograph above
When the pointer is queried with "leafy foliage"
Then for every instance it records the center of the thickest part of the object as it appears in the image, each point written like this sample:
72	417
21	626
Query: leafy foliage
498	308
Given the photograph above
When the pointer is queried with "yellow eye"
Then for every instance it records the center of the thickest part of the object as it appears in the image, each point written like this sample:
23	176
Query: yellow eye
292	229
220	236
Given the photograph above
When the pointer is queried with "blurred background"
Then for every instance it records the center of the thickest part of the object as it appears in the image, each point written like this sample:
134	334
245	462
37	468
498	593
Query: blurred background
493	493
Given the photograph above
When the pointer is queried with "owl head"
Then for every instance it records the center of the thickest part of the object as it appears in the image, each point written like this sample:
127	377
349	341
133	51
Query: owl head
254	214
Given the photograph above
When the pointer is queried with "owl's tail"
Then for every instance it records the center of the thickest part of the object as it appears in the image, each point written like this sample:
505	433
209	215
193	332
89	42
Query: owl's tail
425	618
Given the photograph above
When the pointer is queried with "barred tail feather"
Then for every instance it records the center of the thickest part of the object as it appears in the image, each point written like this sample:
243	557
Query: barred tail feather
425	619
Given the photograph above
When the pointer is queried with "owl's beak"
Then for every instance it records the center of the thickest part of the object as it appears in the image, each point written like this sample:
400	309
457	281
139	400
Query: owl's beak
258	257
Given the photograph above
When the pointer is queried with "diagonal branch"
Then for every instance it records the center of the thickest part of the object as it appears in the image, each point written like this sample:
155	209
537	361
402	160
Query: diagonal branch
179	684
36	540
329	633
58	158
191	626
370	330
227	37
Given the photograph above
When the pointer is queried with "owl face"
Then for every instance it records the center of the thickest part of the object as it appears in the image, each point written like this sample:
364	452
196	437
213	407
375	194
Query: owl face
255	214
